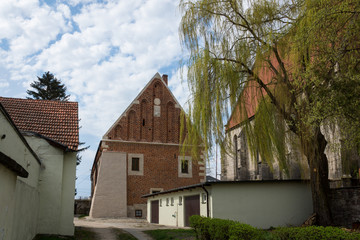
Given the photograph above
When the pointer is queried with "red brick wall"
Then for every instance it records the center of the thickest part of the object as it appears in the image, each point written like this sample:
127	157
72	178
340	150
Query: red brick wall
139	124
160	169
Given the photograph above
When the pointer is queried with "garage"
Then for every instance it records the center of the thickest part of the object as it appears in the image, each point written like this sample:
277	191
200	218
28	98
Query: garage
154	211
192	207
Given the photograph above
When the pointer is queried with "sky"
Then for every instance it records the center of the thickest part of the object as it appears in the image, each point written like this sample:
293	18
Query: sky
103	51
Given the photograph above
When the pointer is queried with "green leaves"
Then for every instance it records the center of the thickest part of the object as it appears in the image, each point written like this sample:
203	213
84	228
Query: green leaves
48	87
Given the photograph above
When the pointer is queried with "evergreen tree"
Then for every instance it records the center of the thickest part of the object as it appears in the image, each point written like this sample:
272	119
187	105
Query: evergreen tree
310	48
48	87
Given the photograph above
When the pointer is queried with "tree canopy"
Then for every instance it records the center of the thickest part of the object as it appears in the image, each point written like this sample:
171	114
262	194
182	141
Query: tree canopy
48	87
302	57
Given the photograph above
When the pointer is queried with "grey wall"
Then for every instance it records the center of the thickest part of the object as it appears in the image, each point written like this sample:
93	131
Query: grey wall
345	204
263	204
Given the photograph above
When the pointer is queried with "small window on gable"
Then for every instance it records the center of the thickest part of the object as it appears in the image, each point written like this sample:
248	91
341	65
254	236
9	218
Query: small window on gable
138	213
160	202
135	164
180	200
185	166
167	201
172	201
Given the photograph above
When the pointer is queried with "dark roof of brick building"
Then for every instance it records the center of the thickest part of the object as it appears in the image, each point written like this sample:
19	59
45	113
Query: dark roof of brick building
55	120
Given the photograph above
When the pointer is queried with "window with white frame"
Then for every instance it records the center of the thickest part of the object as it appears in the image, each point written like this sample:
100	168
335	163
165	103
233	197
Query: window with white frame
184	167
135	164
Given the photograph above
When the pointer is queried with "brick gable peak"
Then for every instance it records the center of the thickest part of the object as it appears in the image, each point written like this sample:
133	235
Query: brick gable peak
157	77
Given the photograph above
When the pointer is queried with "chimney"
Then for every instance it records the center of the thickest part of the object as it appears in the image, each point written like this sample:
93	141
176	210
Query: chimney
165	78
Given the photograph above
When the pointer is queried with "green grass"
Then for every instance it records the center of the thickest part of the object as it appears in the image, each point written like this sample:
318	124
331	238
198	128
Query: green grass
167	234
81	233
123	235
52	237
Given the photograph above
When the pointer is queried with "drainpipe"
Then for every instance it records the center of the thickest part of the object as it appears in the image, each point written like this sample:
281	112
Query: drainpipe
207	200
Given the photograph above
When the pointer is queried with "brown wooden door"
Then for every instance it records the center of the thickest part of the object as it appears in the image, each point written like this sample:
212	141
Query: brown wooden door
154	211
192	207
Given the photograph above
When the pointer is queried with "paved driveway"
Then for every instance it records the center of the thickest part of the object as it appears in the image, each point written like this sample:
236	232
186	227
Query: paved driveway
134	226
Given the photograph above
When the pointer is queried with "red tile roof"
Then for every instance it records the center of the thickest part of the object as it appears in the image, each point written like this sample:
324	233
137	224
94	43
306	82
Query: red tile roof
57	120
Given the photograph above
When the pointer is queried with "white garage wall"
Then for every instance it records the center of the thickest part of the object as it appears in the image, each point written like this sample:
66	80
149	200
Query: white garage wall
263	204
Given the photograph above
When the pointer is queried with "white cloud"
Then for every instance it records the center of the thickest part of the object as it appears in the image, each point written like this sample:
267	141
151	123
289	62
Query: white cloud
120	45
3	84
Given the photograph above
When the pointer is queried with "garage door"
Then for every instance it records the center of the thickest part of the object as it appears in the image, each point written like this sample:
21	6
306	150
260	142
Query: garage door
155	211
192	207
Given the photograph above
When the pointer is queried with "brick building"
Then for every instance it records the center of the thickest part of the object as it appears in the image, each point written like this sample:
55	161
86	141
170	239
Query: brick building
140	154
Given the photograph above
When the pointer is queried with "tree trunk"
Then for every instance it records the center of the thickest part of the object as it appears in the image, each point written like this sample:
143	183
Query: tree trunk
315	147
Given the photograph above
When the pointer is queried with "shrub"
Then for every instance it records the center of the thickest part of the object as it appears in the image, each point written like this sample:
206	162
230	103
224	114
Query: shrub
241	231
220	229
314	233
200	225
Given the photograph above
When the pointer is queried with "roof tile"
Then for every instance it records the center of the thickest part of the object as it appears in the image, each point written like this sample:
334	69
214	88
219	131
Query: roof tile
57	120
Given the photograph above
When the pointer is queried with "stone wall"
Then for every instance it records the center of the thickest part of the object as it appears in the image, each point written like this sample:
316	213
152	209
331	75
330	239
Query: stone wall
346	206
82	206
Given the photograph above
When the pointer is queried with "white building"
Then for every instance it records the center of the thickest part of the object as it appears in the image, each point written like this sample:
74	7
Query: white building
262	204
38	144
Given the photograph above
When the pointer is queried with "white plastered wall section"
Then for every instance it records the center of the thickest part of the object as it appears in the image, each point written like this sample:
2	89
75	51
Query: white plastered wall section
27	201
68	194
56	188
110	194
332	135
19	197
7	202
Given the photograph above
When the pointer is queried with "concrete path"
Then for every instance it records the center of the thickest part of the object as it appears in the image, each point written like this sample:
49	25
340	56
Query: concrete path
103	226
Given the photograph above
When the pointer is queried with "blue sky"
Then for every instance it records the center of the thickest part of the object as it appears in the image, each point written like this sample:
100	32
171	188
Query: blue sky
104	51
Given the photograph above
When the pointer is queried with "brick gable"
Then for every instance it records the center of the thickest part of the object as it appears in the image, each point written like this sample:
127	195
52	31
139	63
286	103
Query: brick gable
153	116
149	131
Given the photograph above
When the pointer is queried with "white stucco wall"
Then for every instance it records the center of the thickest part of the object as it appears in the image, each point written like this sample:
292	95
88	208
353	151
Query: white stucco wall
26	211
56	188
7	202
109	201
173	215
19	198
68	194
263	204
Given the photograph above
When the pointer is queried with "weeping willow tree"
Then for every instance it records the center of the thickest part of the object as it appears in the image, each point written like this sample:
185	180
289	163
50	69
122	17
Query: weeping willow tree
294	65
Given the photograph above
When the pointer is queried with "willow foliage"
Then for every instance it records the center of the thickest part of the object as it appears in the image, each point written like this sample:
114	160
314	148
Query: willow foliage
310	48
